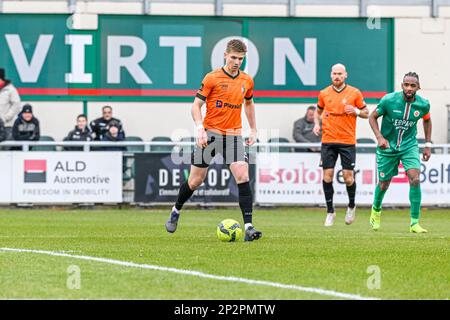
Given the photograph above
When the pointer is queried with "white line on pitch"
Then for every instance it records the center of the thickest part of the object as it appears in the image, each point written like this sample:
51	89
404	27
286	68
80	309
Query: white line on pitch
197	274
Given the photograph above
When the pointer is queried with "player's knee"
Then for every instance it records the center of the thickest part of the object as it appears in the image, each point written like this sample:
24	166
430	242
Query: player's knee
328	176
195	182
242	178
384	185
348	179
414	181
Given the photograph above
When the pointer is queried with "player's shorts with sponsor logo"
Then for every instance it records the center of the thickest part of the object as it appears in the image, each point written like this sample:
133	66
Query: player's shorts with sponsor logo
330	152
229	146
388	162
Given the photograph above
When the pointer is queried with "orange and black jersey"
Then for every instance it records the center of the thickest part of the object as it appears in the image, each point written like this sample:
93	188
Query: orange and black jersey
224	95
337	126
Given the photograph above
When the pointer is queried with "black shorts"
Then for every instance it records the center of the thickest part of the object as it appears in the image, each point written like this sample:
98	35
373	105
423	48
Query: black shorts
230	147
330	152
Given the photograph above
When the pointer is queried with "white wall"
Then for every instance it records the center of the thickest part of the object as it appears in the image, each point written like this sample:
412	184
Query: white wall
423	46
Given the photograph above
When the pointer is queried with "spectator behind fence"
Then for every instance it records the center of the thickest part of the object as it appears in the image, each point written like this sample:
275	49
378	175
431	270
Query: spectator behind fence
80	133
100	126
9	103
2	131
303	131
26	126
114	135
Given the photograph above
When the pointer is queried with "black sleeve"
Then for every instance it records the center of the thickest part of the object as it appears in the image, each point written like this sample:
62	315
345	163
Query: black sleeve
2	131
15	130
198	95
69	136
94	126
121	133
37	131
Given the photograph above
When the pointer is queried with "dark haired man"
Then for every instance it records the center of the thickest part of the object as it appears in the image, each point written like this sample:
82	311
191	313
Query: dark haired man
397	142
100	126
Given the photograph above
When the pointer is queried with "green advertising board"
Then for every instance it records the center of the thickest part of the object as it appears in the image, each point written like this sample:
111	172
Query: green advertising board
161	58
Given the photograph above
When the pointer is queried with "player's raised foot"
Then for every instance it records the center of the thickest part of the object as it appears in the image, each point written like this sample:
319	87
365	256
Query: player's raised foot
416	228
171	224
350	215
252	234
329	220
375	219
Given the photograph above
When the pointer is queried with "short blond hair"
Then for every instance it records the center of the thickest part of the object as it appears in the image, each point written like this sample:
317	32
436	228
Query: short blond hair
236	45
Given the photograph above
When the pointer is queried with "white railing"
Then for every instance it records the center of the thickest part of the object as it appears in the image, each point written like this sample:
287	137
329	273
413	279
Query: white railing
25	145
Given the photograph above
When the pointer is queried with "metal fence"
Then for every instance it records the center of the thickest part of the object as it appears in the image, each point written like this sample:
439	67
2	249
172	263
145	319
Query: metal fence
290	4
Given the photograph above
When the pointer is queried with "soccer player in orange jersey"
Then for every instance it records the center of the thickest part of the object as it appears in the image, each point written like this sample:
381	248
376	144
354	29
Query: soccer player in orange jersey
339	105
224	90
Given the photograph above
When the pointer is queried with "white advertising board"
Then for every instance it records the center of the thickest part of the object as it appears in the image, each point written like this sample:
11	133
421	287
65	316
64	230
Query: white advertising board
296	178
66	177
5	177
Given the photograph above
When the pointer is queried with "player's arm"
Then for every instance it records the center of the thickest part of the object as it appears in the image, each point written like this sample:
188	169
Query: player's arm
427	129
357	112
196	112
251	118
359	109
373	121
203	93
318	113
317	117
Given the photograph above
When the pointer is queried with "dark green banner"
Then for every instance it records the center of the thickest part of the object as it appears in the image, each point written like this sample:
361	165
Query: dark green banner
165	58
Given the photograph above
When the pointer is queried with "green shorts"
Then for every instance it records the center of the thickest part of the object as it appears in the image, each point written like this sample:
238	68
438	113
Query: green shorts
387	163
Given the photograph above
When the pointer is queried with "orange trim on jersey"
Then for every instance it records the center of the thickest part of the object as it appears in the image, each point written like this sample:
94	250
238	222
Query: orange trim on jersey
427	116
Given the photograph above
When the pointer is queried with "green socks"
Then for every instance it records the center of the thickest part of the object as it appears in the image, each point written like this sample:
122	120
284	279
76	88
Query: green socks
415	198
378	199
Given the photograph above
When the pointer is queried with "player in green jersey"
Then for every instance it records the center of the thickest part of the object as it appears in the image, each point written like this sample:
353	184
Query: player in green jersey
397	142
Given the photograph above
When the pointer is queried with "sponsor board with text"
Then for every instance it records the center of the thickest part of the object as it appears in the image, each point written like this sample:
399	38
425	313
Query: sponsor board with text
66	177
296	178
160	175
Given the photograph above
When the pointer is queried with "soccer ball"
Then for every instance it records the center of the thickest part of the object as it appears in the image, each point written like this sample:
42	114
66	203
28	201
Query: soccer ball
229	230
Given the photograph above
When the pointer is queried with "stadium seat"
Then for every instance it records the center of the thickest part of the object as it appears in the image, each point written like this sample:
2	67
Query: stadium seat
279	149
44	148
161	149
365	149
135	148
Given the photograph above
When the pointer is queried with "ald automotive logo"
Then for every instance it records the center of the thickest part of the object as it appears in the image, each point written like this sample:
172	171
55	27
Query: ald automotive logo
35	171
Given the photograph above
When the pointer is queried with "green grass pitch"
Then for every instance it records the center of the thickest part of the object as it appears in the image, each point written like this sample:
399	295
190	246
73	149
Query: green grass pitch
295	250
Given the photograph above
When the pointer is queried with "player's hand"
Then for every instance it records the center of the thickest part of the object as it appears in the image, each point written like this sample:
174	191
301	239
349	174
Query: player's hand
316	129
382	142
252	138
349	109
202	138
426	154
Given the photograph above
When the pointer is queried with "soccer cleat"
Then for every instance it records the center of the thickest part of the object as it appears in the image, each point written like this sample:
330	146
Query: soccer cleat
252	234
329	221
171	224
375	219
416	228
350	215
